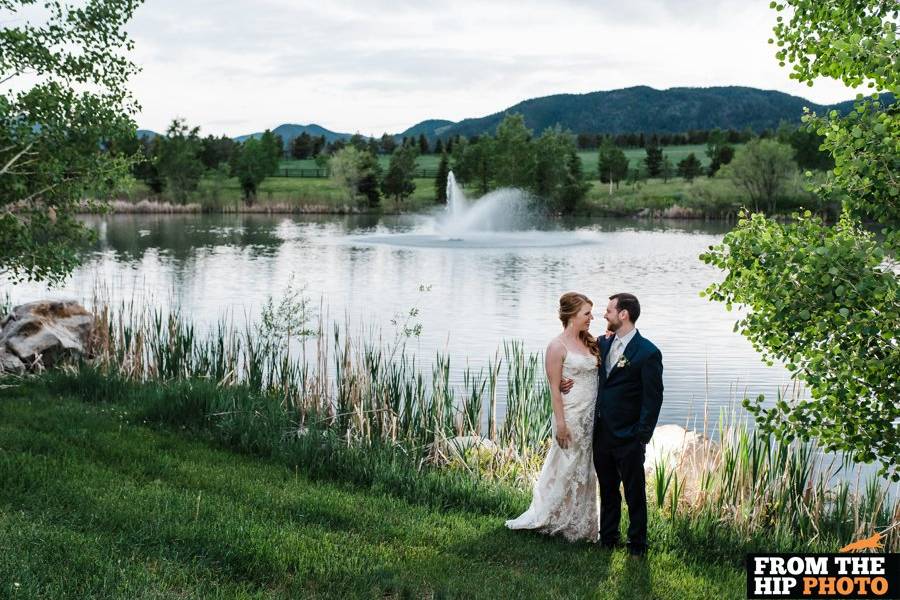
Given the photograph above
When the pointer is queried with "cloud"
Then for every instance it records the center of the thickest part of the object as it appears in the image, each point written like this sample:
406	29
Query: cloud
383	65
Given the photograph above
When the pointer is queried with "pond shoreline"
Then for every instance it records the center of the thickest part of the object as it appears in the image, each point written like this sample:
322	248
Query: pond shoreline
164	207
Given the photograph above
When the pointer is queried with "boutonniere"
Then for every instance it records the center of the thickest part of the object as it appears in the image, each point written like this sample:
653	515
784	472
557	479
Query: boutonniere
623	362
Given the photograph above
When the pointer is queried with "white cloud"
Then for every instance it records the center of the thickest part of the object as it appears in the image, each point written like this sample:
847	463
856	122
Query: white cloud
236	67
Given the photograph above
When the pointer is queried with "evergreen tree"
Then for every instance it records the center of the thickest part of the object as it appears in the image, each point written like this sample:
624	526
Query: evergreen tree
587	141
319	146
388	143
439	146
369	178
424	147
302	146
689	167
335	146
576	186
358	141
806	144
216	150
653	159
440	181
718	150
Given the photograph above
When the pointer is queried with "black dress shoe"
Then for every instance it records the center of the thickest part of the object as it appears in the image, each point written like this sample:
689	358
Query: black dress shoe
613	545
637	551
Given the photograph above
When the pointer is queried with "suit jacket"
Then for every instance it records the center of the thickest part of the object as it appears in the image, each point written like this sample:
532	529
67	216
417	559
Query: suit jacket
630	397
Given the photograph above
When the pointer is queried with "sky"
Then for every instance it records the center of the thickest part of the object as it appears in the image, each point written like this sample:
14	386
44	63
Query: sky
374	66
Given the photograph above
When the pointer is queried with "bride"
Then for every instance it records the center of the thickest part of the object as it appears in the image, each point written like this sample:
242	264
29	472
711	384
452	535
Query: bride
564	500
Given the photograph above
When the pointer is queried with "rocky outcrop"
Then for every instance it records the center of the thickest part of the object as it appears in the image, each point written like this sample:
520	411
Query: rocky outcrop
42	334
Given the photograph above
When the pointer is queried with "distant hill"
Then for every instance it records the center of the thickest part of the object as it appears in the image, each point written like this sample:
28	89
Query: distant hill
628	110
431	128
141	133
646	109
289	131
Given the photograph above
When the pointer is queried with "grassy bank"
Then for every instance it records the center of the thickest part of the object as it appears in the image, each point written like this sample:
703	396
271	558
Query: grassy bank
703	198
276	195
709	198
101	501
246	384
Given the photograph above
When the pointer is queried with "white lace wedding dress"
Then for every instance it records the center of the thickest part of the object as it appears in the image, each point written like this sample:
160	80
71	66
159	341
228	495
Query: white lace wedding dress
564	500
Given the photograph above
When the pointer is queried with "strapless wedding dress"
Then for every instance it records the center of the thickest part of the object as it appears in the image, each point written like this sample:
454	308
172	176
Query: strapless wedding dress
564	499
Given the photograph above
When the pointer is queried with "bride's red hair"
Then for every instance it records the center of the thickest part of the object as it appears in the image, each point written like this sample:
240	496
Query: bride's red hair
569	305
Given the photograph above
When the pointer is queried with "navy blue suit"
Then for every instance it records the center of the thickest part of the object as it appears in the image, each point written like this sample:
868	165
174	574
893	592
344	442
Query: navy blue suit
628	404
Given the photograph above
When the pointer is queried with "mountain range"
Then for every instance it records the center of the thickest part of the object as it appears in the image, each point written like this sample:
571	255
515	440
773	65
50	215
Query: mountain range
634	109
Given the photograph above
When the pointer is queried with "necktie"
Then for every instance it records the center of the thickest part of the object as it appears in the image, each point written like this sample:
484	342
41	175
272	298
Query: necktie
614	355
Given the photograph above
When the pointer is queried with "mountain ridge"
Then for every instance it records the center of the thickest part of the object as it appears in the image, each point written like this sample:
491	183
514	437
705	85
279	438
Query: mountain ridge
626	110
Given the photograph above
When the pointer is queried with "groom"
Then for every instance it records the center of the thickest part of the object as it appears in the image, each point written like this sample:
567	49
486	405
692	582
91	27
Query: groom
629	396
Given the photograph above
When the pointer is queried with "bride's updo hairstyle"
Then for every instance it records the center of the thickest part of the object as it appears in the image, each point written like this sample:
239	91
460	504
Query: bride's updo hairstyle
569	305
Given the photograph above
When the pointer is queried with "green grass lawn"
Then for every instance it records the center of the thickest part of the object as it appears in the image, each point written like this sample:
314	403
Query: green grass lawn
96	503
588	158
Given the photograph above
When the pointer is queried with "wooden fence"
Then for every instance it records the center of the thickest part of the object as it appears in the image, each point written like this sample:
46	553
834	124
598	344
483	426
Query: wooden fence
322	173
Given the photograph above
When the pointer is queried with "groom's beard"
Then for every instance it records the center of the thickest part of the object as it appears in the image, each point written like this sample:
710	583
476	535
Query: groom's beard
613	326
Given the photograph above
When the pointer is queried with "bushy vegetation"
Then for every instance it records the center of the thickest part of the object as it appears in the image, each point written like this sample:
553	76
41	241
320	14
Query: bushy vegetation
822	297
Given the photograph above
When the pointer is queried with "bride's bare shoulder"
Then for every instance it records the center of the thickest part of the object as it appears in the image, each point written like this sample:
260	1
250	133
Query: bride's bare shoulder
556	349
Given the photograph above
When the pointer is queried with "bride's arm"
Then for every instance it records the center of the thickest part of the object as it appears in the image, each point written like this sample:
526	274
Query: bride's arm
553	364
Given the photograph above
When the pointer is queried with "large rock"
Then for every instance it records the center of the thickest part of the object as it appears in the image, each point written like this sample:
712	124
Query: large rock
10	363
41	334
687	453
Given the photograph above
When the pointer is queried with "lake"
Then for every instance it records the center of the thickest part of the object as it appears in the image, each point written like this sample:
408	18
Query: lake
472	292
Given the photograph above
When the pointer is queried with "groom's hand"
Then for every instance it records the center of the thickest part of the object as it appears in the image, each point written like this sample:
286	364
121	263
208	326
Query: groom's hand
566	385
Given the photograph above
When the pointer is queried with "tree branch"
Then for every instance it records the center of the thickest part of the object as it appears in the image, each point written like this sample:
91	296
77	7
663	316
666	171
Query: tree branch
13	160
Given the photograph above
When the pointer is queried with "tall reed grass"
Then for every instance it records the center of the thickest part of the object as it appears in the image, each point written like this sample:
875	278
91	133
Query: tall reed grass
368	390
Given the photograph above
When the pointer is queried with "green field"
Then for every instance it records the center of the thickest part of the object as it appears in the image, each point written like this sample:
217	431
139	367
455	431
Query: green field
280	193
100	502
588	158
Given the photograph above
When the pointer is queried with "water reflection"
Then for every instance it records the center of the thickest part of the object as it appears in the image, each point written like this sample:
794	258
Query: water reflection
479	295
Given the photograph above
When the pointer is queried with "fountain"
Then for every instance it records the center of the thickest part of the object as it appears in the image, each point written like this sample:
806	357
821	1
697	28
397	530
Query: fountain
503	218
505	209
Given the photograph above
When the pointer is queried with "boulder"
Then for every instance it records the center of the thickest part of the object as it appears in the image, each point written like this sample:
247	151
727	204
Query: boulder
687	453
42	334
10	363
668	444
